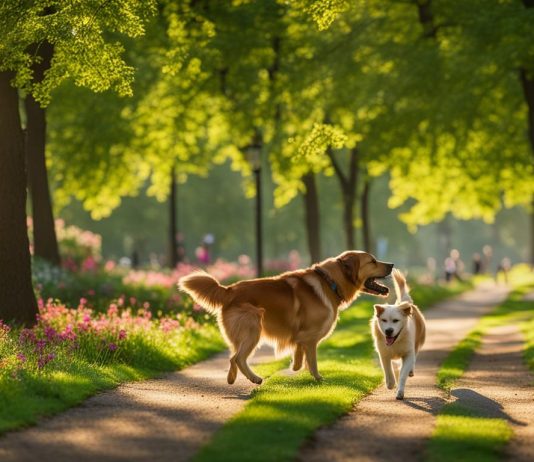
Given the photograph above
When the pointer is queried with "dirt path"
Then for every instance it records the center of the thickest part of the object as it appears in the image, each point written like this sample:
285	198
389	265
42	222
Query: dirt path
383	429
499	385
165	419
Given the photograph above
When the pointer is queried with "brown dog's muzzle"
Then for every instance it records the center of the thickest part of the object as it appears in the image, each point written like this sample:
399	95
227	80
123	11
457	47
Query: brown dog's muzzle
372	287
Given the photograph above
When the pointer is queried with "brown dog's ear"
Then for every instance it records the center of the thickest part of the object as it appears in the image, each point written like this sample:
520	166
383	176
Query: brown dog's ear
406	308
350	265
379	309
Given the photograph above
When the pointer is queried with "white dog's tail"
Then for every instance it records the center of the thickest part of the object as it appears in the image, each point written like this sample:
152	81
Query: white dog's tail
205	290
401	287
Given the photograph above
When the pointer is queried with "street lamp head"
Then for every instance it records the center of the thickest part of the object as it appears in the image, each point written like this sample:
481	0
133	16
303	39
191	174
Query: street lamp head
253	155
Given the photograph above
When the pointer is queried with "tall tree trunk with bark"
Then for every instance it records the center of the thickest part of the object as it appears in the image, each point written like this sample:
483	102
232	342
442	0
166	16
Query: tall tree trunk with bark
364	210
44	232
527	82
173	244
17	300
348	183
311	207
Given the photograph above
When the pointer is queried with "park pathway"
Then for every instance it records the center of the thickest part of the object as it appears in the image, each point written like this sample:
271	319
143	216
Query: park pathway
498	384
164	419
380	428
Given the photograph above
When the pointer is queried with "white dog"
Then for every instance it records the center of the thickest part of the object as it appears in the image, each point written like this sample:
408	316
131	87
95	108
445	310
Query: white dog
398	332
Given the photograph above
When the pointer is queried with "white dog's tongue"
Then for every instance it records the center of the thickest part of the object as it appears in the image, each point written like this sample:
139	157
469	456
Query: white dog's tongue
390	340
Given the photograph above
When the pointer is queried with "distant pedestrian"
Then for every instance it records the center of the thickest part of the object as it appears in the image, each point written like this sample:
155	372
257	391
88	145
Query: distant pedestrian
453	266
477	263
504	267
450	269
203	252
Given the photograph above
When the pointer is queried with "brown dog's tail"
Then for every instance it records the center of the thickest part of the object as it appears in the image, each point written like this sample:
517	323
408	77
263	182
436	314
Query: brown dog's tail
205	290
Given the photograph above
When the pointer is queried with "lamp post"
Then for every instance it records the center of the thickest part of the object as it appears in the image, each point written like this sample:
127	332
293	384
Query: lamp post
253	155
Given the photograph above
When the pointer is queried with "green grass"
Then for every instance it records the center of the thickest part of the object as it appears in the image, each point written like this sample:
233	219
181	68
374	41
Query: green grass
32	394
460	434
284	411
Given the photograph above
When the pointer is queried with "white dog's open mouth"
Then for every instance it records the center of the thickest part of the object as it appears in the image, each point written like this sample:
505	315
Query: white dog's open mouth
391	340
374	288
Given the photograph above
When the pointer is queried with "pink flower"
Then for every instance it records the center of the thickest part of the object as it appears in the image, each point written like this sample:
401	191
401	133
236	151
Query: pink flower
113	310
122	334
27	336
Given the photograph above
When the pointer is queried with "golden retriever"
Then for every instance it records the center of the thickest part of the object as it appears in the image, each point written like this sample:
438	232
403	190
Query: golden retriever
293	311
399	333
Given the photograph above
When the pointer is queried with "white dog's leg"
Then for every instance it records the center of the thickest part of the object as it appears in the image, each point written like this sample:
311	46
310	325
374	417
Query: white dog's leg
388	372
408	363
396	369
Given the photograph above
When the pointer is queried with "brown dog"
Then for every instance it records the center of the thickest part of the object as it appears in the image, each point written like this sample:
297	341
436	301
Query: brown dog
295	310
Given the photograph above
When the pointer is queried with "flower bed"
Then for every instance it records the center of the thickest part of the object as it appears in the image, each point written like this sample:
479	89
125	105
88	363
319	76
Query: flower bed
73	352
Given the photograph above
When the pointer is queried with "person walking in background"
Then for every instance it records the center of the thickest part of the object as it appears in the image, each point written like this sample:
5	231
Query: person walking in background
450	269
477	263
203	252
453	266
504	267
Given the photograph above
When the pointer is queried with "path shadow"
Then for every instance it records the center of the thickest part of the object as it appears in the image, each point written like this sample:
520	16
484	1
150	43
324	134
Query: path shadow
432	404
473	403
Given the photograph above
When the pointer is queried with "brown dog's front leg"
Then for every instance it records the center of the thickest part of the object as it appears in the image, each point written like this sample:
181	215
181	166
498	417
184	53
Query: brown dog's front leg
298	357
311	359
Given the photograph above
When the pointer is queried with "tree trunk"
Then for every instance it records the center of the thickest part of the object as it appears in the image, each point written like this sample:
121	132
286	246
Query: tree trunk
527	82
426	18
311	206
364	209
173	248
17	300
44	232
348	219
348	185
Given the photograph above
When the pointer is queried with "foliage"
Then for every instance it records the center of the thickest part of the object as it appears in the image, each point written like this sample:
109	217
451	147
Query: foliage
83	35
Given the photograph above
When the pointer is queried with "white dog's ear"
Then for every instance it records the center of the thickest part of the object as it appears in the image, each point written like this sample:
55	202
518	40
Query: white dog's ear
379	309
406	308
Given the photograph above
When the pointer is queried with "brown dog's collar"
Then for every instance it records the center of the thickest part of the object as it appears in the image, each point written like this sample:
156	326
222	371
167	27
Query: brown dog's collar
331	283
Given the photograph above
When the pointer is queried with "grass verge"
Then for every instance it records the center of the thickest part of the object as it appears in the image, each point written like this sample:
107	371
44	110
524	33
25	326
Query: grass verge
29	393
462	436
284	411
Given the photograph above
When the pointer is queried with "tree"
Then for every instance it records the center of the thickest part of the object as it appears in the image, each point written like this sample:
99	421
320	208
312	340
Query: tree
16	294
81	52
44	234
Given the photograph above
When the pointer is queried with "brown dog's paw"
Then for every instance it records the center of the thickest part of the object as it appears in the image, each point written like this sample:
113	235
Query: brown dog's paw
257	380
232	373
